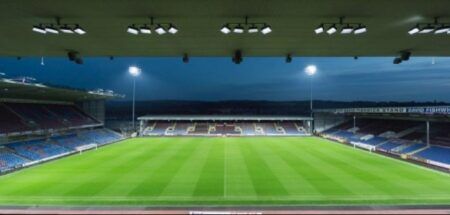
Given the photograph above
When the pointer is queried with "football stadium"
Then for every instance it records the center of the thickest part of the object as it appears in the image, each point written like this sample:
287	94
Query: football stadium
224	107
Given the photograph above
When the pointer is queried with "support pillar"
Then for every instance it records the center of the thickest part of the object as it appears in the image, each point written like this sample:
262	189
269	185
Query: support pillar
428	133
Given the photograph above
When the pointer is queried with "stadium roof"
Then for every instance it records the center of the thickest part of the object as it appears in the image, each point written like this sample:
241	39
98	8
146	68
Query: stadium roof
11	90
432	113
220	118
293	24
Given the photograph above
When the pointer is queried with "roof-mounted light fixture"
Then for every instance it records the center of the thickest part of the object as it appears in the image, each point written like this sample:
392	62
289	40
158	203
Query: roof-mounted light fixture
57	27
253	29
434	27
332	29
225	29
360	29
147	28
39	29
133	30
246	26
345	27
79	30
319	29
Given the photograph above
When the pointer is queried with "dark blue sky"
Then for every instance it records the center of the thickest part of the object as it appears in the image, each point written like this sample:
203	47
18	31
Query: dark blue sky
375	79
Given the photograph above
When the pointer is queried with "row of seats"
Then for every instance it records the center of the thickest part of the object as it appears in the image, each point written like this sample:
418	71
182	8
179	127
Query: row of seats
225	128
37	149
412	142
16	154
9	160
21	117
436	153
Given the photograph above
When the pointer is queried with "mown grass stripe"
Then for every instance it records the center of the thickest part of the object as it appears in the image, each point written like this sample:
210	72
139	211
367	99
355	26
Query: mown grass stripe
211	180
184	181
150	175
239	182
313	170
263	179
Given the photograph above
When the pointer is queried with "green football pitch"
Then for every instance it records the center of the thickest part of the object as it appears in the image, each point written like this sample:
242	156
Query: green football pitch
225	171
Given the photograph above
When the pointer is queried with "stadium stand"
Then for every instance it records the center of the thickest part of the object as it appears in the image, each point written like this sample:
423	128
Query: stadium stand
23	117
412	148
269	128
181	128
224	128
159	128
200	128
100	136
71	141
10	122
435	153
247	128
21	153
390	145
398	137
70	114
55	122
291	128
9	160
37	149
36	114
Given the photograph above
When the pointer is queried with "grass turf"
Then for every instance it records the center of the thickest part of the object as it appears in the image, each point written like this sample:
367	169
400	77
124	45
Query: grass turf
225	171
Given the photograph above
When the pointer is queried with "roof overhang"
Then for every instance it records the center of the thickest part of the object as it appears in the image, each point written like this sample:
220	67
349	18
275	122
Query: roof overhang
221	118
12	90
293	24
423	113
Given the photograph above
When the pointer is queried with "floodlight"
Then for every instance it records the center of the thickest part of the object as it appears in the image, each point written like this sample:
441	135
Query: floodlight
238	29
134	71
39	29
266	29
442	29
319	29
311	70
145	30
253	29
79	30
331	30
66	29
414	30
426	29
172	29
225	29
347	30
360	29
51	29
132	30
160	30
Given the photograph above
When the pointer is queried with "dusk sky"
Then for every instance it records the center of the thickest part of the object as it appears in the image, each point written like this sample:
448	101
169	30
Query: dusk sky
374	79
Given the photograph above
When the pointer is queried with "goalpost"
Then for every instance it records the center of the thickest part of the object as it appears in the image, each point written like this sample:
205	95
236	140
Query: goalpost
80	149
